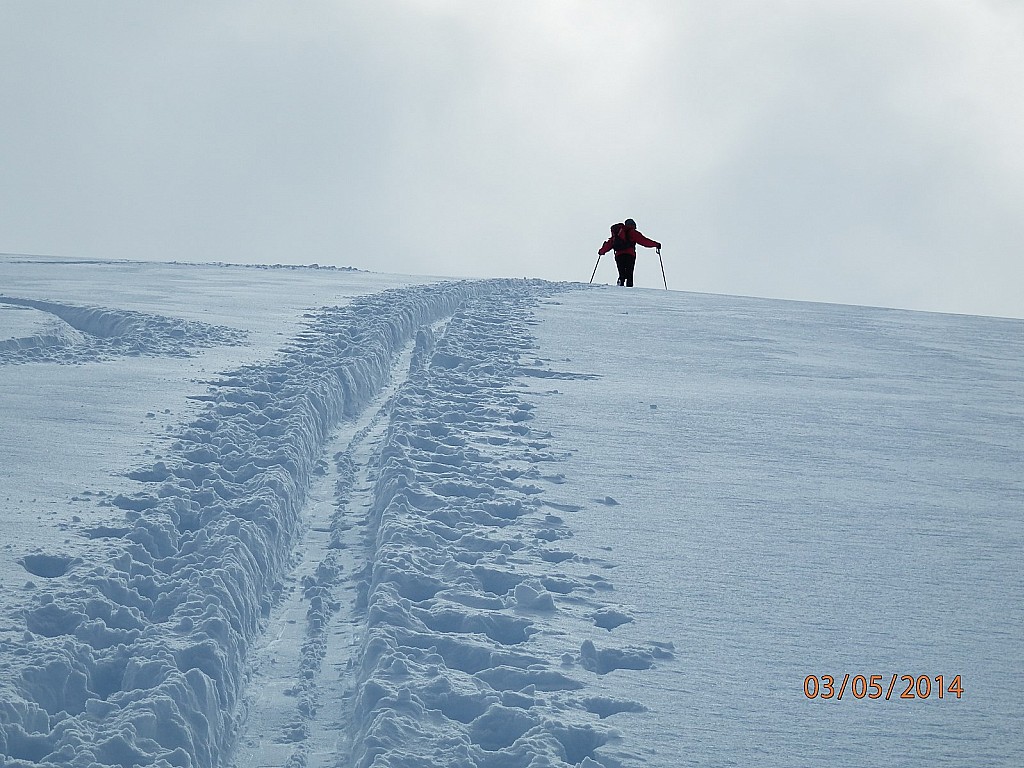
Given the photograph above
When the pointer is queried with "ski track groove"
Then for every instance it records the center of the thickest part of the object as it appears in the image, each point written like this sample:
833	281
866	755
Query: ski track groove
76	334
429	602
285	730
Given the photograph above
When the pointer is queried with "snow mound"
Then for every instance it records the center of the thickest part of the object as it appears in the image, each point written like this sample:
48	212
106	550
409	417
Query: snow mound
65	333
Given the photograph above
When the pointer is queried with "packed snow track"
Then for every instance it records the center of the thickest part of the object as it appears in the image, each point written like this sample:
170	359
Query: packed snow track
348	558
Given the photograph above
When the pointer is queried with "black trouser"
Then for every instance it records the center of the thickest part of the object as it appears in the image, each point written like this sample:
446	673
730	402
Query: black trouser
625	263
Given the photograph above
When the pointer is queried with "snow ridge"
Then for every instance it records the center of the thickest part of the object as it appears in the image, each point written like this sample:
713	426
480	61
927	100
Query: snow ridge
75	334
471	592
141	659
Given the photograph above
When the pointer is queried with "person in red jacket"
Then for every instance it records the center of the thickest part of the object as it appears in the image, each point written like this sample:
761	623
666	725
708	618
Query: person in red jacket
624	240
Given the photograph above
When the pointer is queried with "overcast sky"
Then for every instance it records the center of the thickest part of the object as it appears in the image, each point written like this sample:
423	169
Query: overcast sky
854	151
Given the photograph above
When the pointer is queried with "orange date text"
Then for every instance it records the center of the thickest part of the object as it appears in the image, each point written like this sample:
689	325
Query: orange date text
887	687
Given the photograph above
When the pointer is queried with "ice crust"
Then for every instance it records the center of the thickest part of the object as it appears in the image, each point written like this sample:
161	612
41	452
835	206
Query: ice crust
140	658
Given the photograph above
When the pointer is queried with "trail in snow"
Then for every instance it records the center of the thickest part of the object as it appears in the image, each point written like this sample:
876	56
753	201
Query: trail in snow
438	602
313	630
142	657
458	642
474	602
67	333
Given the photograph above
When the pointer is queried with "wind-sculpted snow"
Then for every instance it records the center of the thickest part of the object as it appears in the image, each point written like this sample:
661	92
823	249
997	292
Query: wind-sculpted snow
139	656
75	334
472	596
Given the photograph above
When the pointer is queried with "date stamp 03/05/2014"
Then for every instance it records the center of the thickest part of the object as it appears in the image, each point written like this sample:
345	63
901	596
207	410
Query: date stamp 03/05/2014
874	687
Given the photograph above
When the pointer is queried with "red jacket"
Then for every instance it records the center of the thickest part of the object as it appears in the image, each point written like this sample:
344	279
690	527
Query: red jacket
634	237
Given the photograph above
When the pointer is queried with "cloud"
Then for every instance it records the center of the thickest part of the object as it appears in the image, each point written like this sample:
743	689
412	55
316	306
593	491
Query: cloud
855	161
863	152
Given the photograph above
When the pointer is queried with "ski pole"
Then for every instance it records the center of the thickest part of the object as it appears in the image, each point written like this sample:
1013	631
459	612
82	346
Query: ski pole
661	261
595	268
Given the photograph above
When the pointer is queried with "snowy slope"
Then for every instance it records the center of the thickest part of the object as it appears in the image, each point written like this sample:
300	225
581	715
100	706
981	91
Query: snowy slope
804	489
314	517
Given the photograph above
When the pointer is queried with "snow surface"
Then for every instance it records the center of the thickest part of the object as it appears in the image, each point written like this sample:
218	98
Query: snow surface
320	517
